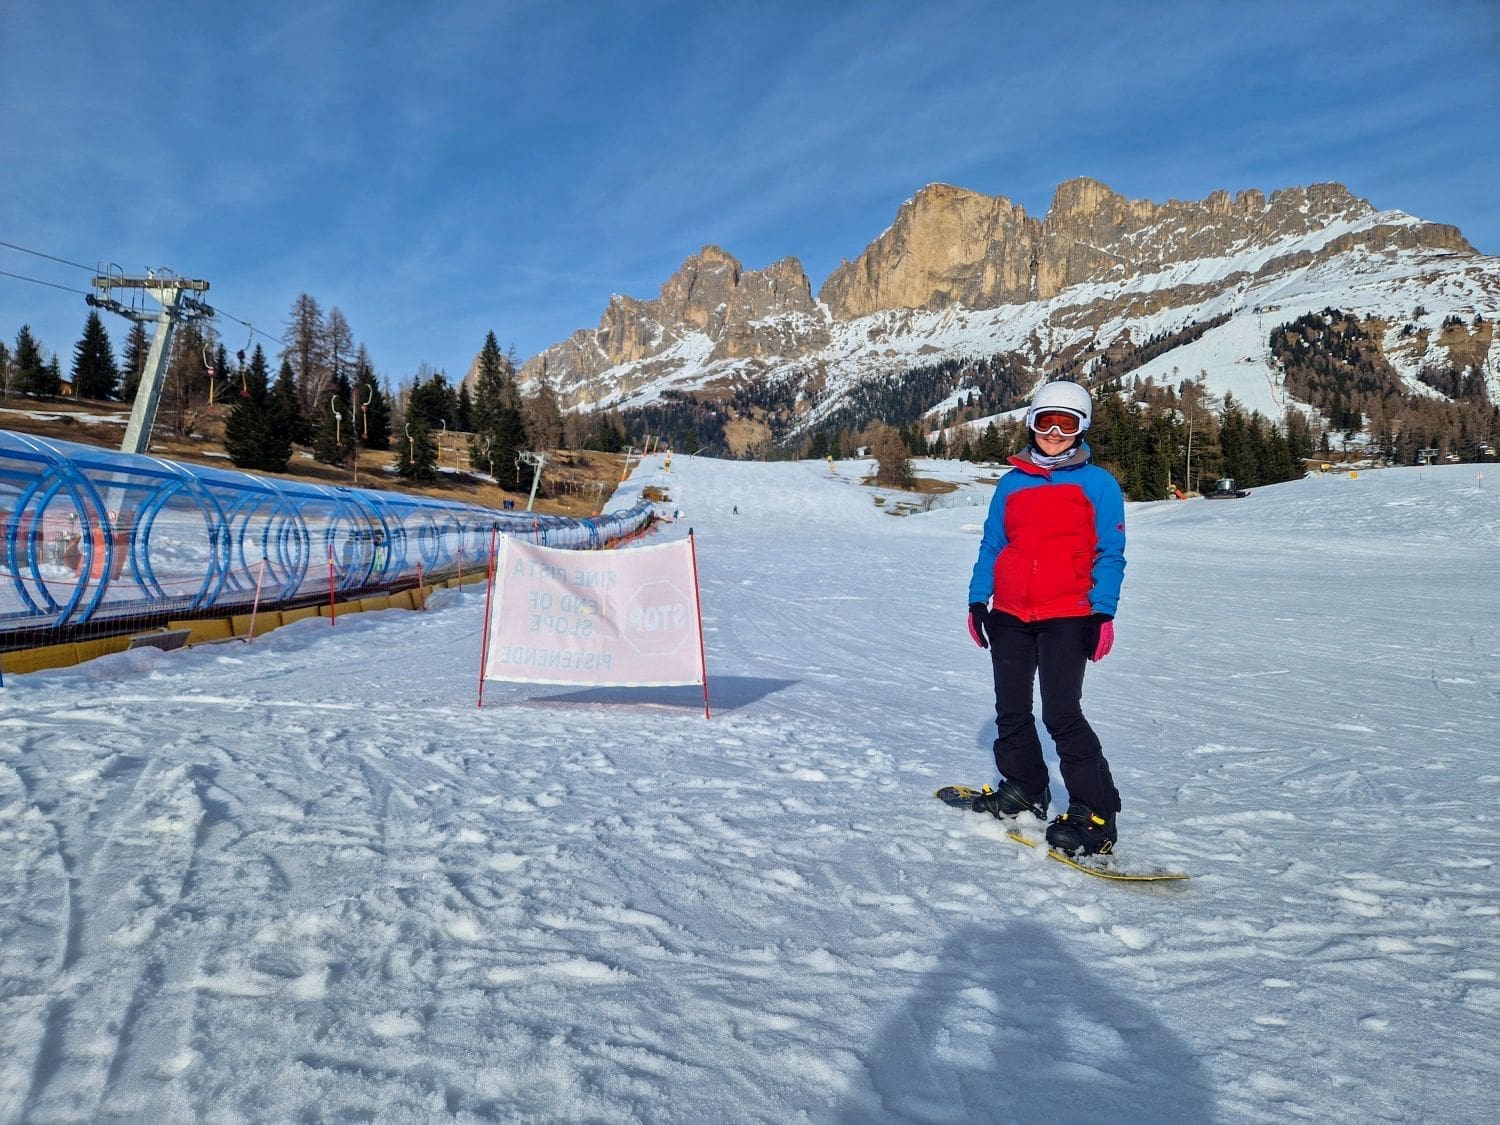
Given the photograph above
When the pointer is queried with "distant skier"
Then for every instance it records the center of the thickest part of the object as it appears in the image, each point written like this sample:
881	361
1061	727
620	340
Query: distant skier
1042	599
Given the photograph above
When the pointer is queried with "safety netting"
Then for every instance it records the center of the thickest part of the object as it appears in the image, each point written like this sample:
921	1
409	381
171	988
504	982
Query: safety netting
92	536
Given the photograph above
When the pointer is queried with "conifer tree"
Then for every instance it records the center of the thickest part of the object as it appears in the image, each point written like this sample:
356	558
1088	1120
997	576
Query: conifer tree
1234	445
338	347
893	461
463	414
307	349
378	416
220	381
417	460
1279	465
497	418
333	441
1299	438
433	399
137	351
1259	446
95	374
1159	453
372	422
989	446
287	403
256	433
31	370
186	382
543	415
610	433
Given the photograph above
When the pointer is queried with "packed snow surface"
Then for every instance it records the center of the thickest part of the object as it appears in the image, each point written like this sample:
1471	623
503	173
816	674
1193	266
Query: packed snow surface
308	879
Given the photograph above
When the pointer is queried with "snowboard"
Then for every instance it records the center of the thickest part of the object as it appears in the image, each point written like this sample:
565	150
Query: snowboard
1110	866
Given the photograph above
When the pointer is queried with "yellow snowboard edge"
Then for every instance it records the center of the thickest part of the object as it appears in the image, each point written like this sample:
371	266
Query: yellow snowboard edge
1120	876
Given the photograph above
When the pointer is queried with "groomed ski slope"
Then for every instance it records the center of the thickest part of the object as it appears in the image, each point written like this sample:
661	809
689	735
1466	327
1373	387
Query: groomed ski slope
308	879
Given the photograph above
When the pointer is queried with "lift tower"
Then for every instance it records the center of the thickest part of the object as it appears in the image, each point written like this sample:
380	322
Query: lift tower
178	298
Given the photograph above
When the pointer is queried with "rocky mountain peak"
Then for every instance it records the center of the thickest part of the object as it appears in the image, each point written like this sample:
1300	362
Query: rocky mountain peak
712	296
947	245
698	293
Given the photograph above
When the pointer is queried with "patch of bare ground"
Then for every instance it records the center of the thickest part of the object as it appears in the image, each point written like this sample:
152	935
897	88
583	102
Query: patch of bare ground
921	485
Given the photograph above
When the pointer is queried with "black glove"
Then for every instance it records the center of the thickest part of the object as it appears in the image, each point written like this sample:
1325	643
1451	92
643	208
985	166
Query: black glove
978	614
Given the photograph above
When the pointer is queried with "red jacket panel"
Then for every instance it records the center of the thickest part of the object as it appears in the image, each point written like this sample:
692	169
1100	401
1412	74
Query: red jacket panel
1046	566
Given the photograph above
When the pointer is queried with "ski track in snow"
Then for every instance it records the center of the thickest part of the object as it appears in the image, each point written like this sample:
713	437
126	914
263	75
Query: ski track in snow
308	878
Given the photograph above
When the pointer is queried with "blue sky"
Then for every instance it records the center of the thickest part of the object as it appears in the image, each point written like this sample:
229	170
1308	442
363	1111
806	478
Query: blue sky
440	170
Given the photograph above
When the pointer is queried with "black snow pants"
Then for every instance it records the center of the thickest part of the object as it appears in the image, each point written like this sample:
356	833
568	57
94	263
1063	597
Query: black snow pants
1056	651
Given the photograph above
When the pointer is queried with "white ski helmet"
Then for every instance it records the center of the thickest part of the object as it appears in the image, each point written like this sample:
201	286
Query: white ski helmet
1061	396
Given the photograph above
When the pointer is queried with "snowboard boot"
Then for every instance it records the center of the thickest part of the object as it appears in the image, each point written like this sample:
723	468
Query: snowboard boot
1009	802
1082	831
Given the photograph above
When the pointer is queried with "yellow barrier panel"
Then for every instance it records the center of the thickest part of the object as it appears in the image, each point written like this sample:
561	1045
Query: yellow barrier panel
265	621
209	629
38	659
100	646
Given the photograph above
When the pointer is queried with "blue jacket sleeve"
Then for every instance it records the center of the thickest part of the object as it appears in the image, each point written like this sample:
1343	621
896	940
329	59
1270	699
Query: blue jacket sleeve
1109	526
991	543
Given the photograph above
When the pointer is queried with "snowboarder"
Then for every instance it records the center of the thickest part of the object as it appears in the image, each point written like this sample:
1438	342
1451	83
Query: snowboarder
1042	599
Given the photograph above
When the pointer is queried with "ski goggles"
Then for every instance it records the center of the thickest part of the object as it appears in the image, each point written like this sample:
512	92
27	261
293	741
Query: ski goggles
1063	423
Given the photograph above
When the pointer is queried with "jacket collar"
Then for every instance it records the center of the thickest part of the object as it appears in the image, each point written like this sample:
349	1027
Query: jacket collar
1078	455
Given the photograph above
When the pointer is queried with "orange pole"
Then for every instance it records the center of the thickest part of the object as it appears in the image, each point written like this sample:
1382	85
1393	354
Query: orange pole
698	602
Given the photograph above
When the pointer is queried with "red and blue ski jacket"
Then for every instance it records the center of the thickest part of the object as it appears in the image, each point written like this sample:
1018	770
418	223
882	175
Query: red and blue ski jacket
1054	541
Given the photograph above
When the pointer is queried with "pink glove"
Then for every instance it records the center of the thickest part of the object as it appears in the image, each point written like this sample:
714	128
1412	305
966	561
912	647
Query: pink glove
977	613
1106	640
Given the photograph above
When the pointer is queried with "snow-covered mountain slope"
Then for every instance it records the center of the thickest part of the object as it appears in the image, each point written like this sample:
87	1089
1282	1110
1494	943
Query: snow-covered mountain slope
1234	357
307	878
1102	270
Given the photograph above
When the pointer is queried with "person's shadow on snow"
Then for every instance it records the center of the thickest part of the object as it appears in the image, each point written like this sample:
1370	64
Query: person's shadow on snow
1010	1027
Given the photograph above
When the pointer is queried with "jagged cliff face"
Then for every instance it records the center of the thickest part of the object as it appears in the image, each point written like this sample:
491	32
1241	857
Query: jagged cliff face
949	246
1097	262
711	308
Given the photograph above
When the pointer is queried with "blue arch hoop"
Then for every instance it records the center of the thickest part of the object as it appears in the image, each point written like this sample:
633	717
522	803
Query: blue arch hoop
90	536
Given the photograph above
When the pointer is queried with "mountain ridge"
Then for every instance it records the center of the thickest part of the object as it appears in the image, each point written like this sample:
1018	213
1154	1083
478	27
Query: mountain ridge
959	272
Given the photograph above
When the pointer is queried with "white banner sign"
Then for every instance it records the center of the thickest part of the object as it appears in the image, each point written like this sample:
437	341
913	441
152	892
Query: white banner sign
625	618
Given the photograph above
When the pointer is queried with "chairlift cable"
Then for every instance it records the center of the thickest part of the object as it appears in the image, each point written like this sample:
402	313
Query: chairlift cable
49	257
39	281
254	331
